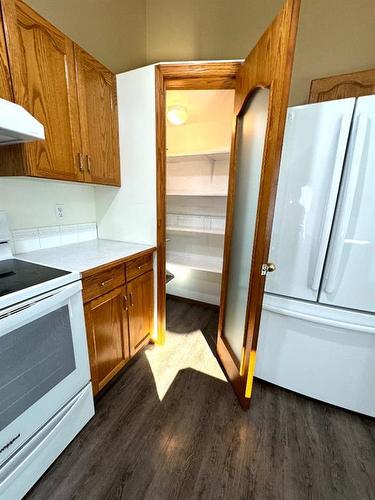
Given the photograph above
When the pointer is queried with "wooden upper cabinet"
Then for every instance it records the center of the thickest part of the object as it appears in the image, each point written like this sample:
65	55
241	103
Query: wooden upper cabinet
98	117
43	72
6	91
334	87
68	91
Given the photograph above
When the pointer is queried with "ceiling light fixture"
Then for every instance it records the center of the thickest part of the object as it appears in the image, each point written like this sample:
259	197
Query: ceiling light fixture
177	114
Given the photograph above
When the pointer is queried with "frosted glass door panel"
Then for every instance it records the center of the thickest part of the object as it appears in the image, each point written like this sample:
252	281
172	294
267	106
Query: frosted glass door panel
250	145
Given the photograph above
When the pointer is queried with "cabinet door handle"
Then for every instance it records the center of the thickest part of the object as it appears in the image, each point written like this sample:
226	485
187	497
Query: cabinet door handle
106	282
81	166
88	158
125	303
131	299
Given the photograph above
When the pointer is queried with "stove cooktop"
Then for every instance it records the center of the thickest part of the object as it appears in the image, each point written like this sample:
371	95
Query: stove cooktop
16	275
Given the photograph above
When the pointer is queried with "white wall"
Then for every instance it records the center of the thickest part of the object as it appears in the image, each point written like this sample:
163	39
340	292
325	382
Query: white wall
129	213
209	122
30	203
200	137
195	285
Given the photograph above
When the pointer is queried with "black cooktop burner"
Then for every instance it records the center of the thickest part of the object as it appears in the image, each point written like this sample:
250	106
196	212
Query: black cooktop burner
17	274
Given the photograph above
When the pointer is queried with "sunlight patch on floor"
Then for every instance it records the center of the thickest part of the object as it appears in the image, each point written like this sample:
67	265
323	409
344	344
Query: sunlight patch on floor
181	351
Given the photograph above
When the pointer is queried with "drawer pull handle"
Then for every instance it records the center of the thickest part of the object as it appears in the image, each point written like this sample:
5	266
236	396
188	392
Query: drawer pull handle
131	299
81	166
140	267
107	282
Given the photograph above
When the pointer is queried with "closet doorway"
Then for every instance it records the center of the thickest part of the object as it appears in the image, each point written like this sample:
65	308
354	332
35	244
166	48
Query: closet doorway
198	138
172	82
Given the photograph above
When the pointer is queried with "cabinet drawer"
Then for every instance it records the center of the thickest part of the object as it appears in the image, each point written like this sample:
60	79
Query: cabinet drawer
104	281
139	266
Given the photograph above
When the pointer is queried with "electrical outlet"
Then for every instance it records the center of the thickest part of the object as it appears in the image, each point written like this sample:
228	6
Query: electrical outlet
59	211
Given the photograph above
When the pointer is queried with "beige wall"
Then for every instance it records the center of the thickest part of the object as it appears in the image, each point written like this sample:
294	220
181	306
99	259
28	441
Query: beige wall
335	36
31	203
209	29
113	31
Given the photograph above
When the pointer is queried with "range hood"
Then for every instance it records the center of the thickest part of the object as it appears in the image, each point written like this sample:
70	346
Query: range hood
18	125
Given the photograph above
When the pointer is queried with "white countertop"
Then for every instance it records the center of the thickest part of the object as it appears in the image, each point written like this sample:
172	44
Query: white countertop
83	256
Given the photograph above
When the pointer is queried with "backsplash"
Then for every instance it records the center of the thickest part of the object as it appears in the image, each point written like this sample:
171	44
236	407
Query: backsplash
27	240
32	203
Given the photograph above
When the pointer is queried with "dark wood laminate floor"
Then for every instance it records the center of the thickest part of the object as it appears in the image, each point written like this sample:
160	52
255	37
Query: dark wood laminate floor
198	444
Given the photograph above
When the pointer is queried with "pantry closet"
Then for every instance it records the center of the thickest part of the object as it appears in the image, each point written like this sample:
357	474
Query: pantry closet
198	145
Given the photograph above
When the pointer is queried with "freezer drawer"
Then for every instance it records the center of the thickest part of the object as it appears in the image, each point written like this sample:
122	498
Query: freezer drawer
311	165
319	351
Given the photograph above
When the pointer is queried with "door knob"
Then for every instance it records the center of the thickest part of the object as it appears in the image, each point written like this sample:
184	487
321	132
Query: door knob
268	268
271	267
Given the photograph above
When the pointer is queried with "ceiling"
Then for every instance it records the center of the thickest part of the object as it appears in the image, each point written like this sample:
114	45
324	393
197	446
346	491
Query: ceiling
203	105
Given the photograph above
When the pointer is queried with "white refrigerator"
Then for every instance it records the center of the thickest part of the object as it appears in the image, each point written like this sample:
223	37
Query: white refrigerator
317	333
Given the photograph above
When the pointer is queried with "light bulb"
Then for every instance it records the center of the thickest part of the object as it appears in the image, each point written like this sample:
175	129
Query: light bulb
177	115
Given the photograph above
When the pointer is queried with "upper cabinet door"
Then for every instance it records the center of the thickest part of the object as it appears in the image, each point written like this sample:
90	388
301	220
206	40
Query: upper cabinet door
98	118
6	91
261	99
42	66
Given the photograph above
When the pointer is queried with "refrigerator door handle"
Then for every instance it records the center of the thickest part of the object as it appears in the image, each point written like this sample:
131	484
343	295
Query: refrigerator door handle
345	325
346	208
332	198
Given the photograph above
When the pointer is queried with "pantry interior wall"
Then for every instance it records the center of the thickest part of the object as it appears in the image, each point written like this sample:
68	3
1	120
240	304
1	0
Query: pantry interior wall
197	183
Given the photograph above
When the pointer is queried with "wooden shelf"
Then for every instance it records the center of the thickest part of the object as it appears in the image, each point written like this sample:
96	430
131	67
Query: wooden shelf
196	262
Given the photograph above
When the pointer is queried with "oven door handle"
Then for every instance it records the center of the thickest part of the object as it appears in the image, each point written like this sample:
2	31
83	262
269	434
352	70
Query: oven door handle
35	308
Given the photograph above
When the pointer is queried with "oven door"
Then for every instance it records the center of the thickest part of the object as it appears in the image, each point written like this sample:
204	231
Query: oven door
43	362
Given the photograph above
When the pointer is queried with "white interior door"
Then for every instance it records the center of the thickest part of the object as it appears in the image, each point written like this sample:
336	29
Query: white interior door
315	142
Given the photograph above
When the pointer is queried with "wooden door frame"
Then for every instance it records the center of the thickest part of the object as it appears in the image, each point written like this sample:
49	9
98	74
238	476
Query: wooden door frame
180	76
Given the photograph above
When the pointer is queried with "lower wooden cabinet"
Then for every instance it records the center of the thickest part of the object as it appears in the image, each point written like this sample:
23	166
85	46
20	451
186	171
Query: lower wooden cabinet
119	315
140	310
107	335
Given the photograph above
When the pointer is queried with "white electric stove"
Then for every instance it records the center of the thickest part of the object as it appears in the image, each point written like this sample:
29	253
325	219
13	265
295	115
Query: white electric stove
45	389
